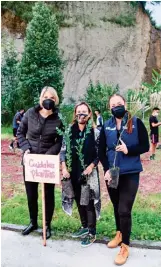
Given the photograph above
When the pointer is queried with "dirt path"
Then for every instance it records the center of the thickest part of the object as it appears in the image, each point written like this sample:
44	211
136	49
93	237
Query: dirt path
12	179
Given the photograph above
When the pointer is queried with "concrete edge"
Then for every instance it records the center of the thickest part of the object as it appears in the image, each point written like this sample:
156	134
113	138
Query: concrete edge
147	244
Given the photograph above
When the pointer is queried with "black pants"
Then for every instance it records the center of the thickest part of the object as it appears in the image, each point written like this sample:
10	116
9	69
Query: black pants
32	197
87	213
122	199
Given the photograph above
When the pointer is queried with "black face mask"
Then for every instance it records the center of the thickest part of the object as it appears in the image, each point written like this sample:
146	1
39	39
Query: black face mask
48	104
81	115
118	112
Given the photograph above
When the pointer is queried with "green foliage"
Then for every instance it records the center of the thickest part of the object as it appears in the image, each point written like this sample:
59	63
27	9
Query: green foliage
124	20
80	144
142	4
67	112
9	83
97	97
66	133
155	87
140	99
41	64
22	9
146	217
6	132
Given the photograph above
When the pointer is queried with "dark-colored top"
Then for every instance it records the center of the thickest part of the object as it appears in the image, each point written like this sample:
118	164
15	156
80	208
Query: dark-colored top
153	130
18	117
133	150
39	134
90	151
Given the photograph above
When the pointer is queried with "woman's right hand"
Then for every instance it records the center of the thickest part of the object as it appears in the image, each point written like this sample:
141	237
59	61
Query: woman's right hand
65	173
107	177
25	153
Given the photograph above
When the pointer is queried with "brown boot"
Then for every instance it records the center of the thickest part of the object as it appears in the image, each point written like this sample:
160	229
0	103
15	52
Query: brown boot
121	258
116	241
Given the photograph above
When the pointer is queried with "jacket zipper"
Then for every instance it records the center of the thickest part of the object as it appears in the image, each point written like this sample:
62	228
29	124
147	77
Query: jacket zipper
41	133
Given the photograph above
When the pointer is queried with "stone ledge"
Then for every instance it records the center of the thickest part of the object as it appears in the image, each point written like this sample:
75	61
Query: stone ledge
147	244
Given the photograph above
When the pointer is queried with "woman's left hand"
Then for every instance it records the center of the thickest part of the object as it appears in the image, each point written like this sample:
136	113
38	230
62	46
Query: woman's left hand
122	147
89	169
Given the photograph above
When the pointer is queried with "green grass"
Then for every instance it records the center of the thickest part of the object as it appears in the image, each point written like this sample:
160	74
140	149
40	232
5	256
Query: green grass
123	20
6	132
146	217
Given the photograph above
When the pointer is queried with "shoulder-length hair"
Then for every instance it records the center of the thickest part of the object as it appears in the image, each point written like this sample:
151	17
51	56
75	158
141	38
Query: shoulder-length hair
52	91
89	110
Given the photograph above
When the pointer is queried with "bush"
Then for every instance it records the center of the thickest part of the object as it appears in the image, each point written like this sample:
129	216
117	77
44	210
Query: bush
9	83
41	63
67	112
97	97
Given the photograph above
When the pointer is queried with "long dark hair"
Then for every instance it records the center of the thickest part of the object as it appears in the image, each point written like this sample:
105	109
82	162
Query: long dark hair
129	121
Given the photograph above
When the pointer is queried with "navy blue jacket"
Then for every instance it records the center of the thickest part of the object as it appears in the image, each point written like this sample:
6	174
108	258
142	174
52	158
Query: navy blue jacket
129	163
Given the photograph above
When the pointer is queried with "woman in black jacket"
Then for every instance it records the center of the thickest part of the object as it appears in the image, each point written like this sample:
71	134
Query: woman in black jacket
82	132
37	134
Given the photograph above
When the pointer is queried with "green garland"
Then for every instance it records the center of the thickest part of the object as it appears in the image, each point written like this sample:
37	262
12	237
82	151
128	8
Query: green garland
80	142
67	137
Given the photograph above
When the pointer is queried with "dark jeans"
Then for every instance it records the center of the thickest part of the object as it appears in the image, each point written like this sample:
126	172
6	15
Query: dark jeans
87	213
122	199
32	197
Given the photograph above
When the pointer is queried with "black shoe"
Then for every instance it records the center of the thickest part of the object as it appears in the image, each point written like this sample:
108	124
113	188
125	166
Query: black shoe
29	229
48	232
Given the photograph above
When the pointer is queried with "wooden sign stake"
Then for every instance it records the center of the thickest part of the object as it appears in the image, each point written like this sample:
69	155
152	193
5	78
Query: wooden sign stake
43	214
42	169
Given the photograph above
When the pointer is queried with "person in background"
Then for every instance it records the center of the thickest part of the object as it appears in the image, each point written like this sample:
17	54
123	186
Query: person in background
99	121
122	140
15	124
154	131
37	134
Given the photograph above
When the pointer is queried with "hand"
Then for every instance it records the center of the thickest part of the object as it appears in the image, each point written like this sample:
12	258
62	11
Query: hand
122	147
65	173
107	177
89	169
26	152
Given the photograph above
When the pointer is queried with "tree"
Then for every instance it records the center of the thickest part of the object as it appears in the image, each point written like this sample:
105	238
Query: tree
97	97
9	82
41	64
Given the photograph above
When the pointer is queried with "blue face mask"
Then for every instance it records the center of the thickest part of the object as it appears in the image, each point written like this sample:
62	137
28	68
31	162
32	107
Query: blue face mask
118	111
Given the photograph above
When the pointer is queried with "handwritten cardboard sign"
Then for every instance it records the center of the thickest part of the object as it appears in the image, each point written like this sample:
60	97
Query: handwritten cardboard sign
42	168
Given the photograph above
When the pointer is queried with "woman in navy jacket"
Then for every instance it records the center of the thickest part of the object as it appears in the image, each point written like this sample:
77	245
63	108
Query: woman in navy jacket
123	138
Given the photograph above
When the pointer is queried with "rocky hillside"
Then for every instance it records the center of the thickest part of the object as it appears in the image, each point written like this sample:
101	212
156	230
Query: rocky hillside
99	43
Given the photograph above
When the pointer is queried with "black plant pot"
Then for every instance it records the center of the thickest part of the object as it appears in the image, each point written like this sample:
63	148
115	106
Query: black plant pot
114	173
67	188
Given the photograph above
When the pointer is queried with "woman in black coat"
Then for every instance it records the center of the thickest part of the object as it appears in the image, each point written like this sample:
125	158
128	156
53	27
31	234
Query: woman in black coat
88	136
37	134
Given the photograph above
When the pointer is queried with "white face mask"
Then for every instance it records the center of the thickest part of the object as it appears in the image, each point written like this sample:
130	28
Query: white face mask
156	114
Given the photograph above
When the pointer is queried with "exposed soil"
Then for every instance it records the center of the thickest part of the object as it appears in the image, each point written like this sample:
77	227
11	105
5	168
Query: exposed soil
12	179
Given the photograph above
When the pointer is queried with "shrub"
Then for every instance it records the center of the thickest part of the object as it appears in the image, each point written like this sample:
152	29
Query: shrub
41	63
97	97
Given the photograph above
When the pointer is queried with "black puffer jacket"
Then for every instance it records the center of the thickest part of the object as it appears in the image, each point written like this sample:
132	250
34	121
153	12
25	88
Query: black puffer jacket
39	134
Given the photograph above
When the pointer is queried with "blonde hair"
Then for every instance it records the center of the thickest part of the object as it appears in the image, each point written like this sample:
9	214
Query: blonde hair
52	91
89	110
